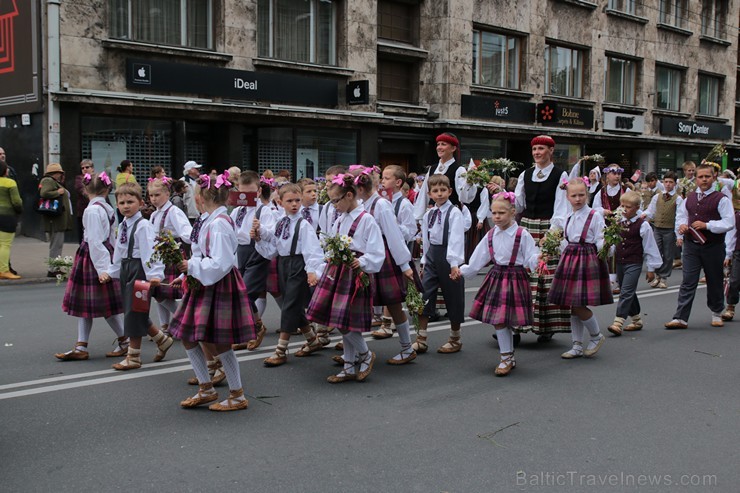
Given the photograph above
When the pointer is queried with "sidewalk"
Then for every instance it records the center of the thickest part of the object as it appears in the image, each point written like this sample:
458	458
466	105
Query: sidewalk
28	258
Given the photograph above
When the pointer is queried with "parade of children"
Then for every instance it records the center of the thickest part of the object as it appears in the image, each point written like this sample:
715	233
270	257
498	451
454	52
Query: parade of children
336	252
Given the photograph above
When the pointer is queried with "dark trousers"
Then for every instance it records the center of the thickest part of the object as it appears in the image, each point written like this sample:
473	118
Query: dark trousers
666	240
733	292
710	257
628	276
437	275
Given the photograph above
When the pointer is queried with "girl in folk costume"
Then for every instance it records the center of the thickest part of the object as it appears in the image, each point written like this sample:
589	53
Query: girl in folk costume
167	217
390	282
253	267
505	298
341	299
542	204
300	259
215	312
606	202
86	296
581	279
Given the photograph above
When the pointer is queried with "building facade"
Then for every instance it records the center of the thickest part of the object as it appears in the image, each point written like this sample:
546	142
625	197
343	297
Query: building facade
305	84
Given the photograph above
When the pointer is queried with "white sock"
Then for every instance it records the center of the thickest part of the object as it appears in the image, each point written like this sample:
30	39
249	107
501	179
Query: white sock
505	340
261	304
198	361
231	368
592	325
404	333
576	329
613	278
357	341
116	323
84	326
455	333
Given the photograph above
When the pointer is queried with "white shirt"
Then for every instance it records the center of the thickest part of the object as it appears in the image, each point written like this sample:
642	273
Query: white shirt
434	235
503	246
98	228
217	238
189	197
611	191
327	216
484	211
308	244
465	191
386	220
726	212
143	248
367	239
595	233
405	217
176	221
561	208
650	212
268	220
649	246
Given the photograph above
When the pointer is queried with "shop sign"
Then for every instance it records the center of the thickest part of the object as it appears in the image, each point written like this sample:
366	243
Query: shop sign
624	122
557	114
168	77
497	109
358	92
20	68
694	130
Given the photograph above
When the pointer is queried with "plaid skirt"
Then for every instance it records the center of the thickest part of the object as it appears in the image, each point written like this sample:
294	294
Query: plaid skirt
582	278
168	292
84	295
504	297
341	301
390	285
218	314
272	284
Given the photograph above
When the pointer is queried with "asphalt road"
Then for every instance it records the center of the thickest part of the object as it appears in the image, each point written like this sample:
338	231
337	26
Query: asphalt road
656	410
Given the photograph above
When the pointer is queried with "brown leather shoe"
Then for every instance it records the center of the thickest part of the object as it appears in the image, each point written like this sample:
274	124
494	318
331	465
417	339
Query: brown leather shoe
206	393
341	377
275	360
676	324
75	354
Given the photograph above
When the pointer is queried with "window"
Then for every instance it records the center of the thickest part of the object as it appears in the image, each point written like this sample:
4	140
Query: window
297	30
674	12
714	18
708	95
496	59
564	67
667	88
396	21
394	81
169	22
626	6
621	76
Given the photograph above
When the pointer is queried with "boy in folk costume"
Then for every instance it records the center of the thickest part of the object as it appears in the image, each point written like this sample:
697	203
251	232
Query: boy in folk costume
608	201
542	203
653	188
310	208
701	223
662	214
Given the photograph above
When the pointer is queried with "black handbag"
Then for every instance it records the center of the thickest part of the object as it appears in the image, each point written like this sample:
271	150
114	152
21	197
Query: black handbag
48	207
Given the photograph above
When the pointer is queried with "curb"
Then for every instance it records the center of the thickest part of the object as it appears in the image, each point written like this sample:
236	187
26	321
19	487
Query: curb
26	280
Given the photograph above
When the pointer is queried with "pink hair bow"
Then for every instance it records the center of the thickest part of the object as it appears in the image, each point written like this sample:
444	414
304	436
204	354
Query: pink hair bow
269	181
586	181
205	181
564	182
510	196
338	179
104	178
151	179
86	179
223	179
365	171
356	166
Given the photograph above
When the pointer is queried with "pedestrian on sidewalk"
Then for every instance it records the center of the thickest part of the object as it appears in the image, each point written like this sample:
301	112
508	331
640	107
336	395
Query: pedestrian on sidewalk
10	207
52	187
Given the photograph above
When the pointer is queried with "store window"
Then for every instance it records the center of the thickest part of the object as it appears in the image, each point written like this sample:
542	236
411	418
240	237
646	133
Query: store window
497	59
297	30
397	21
170	22
674	12
708	95
714	18
396	81
621	79
667	88
564	67
626	6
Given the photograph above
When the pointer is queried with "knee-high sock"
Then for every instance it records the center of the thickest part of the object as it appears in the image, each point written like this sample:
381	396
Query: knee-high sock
116	323
357	341
404	333
592	326
576	329
231	368
84	326
200	367
505	340
261	304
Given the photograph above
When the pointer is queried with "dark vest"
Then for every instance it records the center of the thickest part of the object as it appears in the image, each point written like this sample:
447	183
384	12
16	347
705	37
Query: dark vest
737	228
540	196
450	174
705	211
630	250
611	203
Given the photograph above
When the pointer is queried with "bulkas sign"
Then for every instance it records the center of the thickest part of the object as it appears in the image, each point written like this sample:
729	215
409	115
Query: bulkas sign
229	83
497	109
694	129
624	122
564	115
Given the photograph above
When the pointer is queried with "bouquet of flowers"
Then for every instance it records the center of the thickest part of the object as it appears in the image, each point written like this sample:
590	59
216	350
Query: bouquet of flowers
715	155
167	250
338	252
612	231
479	176
501	166
550	248
593	158
60	265
323	196
414	304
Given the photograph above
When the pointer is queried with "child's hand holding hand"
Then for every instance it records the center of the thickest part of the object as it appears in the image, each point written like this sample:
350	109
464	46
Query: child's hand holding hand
455	273
154	282
650	276
312	279
103	278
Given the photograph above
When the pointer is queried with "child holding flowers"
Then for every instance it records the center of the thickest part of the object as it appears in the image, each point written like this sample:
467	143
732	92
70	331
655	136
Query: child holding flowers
581	278
86	296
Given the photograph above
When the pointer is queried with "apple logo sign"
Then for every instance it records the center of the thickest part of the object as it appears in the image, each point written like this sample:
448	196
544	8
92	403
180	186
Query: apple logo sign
357	92
142	72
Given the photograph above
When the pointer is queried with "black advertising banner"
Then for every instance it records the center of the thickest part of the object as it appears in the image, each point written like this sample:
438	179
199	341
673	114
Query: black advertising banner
694	130
169	77
497	109
19	57
557	114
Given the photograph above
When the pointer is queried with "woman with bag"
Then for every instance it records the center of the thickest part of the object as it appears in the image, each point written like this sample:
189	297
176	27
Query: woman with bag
52	188
10	207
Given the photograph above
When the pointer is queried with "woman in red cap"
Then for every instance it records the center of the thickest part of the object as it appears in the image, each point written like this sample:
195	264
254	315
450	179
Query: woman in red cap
543	204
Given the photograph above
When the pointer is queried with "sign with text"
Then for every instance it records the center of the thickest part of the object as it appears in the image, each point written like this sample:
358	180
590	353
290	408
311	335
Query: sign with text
557	114
20	70
168	77
358	92
497	109
694	130
624	122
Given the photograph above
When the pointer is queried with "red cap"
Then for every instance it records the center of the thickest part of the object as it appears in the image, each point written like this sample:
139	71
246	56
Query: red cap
543	140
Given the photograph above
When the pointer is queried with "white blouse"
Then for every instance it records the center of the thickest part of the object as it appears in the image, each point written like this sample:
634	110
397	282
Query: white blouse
175	221
503	246
143	248
465	191
390	230
221	248
434	235
405	216
595	233
367	239
98	228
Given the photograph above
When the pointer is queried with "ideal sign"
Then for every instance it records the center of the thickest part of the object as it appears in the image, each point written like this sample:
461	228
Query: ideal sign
624	122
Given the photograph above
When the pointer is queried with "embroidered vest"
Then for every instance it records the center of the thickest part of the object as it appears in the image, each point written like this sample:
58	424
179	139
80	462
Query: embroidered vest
540	196
630	250
705	210
665	212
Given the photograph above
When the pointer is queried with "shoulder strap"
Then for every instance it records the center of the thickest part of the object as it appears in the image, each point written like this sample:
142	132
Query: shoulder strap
489	239
356	223
517	243
372	206
164	217
586	225
398	205
132	239
258	212
111	218
446	232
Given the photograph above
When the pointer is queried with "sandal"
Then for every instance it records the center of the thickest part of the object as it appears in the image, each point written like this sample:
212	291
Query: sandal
363	374
279	358
234	402
309	347
131	362
162	348
616	326
420	344
340	377
255	343
337	359
507	364
452	345
406	355
120	350
339	346
385	331
635	325
75	354
215	369
206	393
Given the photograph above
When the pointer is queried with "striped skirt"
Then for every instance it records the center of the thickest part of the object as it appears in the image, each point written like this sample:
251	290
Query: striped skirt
548	318
504	297
390	285
218	314
582	278
84	295
341	301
